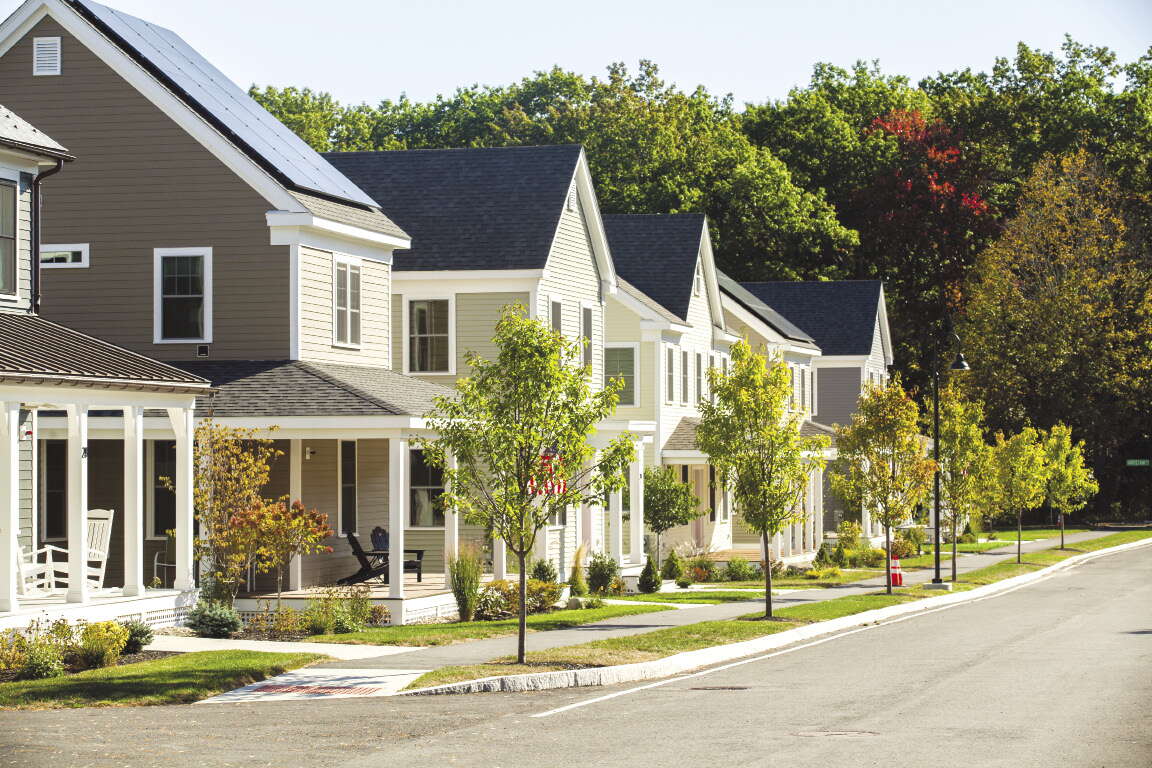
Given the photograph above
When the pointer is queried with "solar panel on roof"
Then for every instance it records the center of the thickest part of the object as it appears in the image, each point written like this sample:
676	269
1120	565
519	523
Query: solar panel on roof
229	104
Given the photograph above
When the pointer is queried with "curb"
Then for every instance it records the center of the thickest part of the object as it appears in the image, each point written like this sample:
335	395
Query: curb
689	661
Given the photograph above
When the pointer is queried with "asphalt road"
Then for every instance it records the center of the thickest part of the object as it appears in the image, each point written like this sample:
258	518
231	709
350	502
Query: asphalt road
1058	673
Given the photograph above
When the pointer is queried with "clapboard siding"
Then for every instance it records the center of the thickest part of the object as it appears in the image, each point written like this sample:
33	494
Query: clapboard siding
320	488
22	300
837	394
316	311
27	483
140	182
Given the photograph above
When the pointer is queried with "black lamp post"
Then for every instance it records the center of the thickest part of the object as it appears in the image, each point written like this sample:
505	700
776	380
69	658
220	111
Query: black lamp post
959	364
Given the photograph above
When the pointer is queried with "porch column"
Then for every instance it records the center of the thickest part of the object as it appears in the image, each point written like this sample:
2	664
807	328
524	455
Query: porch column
9	503
295	493
184	427
77	503
778	546
819	483
798	533
499	559
451	527
616	521
133	501
636	505
865	522
398	484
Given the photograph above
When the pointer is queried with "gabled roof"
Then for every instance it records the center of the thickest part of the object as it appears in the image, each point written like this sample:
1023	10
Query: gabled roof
469	209
18	133
37	349
840	315
185	76
657	253
774	319
296	388
626	288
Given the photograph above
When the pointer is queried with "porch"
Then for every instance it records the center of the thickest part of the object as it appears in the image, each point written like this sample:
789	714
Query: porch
155	607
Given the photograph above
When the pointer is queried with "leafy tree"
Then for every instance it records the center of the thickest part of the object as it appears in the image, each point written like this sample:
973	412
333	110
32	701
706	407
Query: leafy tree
1020	476
1070	482
754	441
668	502
881	460
1059	315
286	532
965	461
519	429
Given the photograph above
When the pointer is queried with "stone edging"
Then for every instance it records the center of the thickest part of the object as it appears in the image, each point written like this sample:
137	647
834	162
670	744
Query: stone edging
689	661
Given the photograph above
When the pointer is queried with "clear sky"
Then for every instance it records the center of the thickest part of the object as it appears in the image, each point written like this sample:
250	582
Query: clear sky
368	50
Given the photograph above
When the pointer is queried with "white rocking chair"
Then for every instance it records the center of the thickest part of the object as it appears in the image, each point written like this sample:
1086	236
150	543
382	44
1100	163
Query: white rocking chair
46	569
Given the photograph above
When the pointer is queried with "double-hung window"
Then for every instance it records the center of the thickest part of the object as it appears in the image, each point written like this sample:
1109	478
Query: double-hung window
347	487
162	507
346	301
620	363
7	238
183	295
427	483
429	336
669	374
803	389
557	316
684	377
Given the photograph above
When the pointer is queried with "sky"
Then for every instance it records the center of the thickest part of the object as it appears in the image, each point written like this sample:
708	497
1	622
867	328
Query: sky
370	50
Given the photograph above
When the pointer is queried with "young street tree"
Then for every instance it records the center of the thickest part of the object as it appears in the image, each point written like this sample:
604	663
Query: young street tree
754	442
518	428
881	462
668	502
286	532
965	461
1020	476
1070	483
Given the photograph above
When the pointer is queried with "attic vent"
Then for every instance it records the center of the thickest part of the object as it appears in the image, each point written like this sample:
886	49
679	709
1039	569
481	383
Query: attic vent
572	198
45	56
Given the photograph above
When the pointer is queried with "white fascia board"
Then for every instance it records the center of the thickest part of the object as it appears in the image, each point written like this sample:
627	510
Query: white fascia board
711	283
443	282
619	426
24	161
31	12
752	321
308	225
885	334
798	349
721	335
840	361
51	396
296	236
679	457
590	209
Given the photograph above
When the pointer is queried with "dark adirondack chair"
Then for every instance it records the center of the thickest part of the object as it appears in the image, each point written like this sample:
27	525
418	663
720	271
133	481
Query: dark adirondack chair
371	568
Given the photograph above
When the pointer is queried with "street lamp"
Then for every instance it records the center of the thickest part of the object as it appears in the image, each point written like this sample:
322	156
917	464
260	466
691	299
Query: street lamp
959	364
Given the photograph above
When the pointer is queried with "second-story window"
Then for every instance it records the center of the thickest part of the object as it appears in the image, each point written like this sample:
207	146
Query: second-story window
803	389
183	295
429	342
346	302
7	238
699	376
669	374
620	363
698	280
684	377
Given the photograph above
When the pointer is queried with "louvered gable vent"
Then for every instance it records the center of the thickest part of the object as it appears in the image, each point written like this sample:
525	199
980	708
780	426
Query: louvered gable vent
46	56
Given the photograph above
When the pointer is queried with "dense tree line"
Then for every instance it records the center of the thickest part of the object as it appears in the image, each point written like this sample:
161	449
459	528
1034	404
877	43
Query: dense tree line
857	175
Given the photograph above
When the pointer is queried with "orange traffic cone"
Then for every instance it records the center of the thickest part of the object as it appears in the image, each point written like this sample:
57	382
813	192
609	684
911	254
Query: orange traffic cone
897	574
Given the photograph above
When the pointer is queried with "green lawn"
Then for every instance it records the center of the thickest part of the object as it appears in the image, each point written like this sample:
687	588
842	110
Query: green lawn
173	680
1033	534
843	606
1033	561
446	634
927	560
847	575
695	597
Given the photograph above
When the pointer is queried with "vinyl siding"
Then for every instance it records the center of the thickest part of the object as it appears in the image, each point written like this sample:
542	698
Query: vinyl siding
838	390
27	483
320	489
140	182
22	300
316	311
622	325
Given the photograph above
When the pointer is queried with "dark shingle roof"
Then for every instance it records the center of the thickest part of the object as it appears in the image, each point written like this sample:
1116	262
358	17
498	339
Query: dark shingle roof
484	208
657	253
31	346
814	428
17	132
295	388
646	300
774	319
839	314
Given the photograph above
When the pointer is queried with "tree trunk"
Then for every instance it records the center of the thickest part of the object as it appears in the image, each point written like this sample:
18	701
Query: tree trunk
1061	530
279	585
520	557
888	556
954	547
767	577
1019	534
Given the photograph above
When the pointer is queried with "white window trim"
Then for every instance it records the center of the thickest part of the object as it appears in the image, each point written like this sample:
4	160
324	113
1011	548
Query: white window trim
405	322
635	347
355	261
588	305
340	489
82	247
12	176
158	256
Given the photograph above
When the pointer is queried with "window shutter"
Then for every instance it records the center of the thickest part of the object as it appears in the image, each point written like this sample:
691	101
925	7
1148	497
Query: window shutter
341	303
557	317
586	318
45	56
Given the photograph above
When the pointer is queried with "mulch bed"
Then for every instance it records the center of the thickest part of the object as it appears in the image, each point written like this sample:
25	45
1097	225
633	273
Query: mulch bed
9	675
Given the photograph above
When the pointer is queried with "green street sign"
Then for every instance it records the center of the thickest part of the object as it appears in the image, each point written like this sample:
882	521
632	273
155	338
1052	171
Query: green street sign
1139	462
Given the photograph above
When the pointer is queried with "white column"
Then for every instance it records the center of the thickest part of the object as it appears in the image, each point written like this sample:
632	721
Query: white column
778	546
451	527
636	505
865	522
819	507
9	502
133	500
296	493
398	482
616	525
184	426
499	559
798	535
77	503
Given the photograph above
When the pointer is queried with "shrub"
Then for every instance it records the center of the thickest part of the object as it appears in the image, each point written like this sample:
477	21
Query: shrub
820	574
213	619
848	534
545	570
702	569
286	621
617	587
13	649
42	658
739	569
139	635
464	574
968	538
915	536
840	555
542	595
346	620
683	582
101	643
576	580
594	602
902	548
379	615
867	558
649	581
673	567
823	556
603	570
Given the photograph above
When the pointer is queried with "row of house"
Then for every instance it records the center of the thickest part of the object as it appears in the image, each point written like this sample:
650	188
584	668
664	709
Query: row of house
195	259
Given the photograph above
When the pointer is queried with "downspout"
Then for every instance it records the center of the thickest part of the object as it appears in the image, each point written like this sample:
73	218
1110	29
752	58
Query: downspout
34	304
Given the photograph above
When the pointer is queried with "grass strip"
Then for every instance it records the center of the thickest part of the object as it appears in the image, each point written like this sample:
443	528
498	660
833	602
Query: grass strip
446	634
695	597
846	576
173	680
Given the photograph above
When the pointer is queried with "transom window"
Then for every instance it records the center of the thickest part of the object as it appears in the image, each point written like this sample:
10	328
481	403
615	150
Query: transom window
74	255
620	363
429	341
183	301
346	302
7	238
427	483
